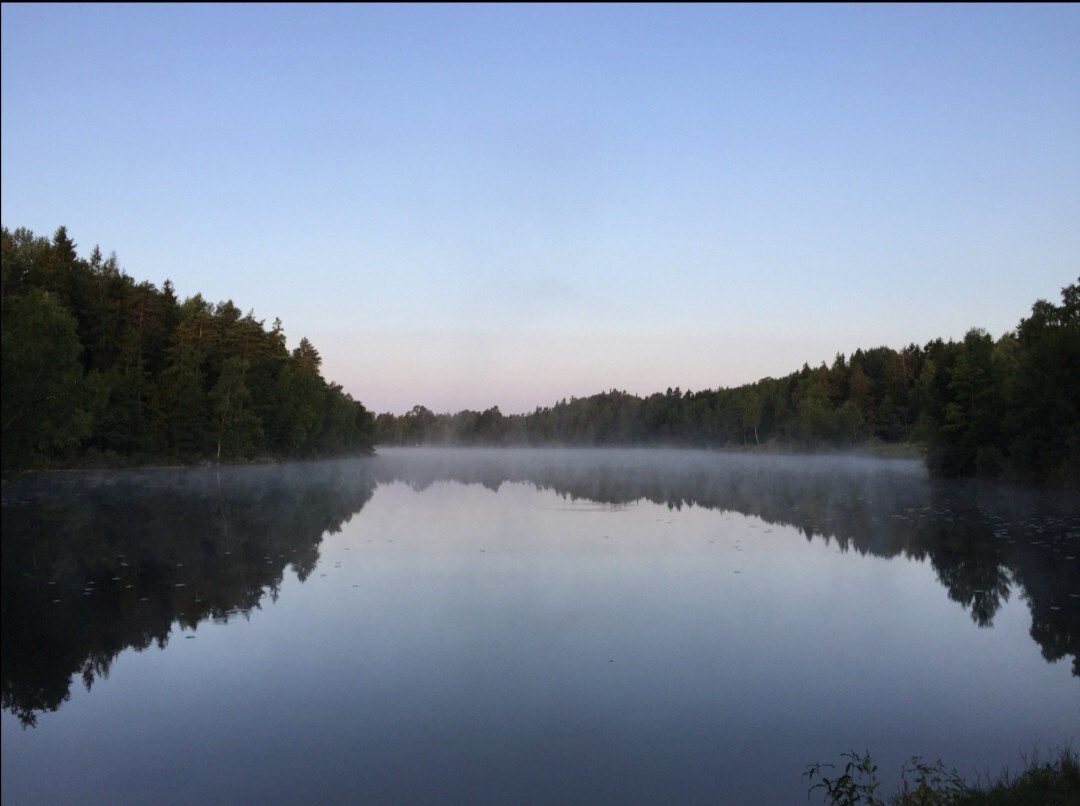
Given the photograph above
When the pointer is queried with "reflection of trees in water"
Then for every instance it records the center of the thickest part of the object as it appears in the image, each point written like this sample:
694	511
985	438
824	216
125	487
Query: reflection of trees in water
94	564
981	539
989	539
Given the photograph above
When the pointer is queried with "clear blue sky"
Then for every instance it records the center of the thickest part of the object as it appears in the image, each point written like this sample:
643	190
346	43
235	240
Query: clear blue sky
465	206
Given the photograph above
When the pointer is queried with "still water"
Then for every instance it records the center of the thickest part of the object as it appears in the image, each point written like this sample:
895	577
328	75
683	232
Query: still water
546	626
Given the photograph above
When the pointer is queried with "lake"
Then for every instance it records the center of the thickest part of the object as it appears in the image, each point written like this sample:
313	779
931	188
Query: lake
538	626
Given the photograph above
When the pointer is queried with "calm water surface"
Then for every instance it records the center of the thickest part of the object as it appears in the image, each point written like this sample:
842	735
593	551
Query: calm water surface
526	627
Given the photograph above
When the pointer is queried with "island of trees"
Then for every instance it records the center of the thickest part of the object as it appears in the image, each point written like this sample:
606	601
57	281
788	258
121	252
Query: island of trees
1008	407
101	369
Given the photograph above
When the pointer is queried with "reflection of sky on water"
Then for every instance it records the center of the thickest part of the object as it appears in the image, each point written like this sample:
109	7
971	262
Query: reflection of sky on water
457	642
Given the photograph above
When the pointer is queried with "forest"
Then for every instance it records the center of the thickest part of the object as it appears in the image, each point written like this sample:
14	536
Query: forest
99	369
1005	408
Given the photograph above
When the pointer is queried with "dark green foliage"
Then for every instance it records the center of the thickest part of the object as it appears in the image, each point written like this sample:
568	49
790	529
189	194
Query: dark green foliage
45	396
973	405
1042	783
1006	408
857	783
1044	419
97	367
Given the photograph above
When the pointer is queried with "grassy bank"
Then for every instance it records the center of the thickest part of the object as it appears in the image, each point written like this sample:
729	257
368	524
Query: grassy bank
1043	782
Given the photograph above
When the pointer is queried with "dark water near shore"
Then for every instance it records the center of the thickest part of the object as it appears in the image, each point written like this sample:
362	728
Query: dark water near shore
530	627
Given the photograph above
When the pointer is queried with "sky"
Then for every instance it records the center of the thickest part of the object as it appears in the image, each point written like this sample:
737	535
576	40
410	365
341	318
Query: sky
464	206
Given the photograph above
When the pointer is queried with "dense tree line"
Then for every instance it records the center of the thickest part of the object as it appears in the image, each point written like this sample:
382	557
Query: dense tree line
980	406
100	368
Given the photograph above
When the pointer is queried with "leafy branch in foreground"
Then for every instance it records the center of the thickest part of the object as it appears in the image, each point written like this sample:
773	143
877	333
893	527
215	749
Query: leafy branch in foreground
857	784
1042	783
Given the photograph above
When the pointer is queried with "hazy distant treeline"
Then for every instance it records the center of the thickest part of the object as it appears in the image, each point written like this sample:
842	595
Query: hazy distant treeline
100	368
981	406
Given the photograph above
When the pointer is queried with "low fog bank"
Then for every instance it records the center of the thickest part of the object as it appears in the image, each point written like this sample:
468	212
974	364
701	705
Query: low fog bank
676	461
671	476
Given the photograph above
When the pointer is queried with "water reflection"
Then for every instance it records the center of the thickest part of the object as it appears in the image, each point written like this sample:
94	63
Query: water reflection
94	564
984	541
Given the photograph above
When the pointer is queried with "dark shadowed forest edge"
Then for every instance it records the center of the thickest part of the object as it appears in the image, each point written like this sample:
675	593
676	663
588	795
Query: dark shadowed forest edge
100	370
1006	408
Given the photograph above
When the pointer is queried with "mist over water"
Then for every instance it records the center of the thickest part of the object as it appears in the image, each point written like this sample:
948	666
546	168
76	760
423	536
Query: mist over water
436	625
